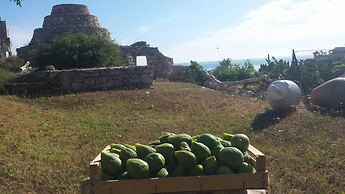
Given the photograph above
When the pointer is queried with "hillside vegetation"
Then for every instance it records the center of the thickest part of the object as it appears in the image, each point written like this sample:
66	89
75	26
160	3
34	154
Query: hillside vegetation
47	143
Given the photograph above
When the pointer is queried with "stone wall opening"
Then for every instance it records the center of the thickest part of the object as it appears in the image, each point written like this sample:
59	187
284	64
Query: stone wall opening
141	61
162	65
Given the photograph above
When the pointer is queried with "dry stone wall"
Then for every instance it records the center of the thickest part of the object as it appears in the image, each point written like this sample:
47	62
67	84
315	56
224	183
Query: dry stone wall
5	42
77	80
162	65
188	74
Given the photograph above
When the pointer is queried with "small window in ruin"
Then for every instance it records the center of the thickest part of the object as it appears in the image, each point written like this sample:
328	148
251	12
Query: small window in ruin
141	61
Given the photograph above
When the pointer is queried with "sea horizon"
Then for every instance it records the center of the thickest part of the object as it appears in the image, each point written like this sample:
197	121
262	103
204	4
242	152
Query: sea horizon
209	65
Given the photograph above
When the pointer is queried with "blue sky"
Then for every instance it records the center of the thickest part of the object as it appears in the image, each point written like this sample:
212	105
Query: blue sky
201	30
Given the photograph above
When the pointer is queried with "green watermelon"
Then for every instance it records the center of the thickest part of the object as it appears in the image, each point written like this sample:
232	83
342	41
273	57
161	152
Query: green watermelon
210	165
166	149
196	170
143	150
156	162
216	149
231	157
162	173
184	146
137	168
200	150
111	163
185	158
164	137
224	170
240	141
225	143
207	139
177	139
179	171
246	168
127	153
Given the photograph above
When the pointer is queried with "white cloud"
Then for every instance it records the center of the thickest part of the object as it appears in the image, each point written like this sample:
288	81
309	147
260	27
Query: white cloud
276	28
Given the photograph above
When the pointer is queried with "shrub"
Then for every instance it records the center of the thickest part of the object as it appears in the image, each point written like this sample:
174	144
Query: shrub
226	71
199	72
76	50
12	64
4	77
276	69
196	66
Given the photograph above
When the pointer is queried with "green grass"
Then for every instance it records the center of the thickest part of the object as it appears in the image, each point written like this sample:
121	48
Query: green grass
47	143
4	77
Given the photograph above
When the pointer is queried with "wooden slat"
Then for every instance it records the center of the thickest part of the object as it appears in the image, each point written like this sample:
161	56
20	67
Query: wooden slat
255	152
85	186
123	187
234	181
260	163
183	184
259	157
177	184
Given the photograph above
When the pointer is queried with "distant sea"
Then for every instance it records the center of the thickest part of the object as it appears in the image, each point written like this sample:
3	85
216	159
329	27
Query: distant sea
209	65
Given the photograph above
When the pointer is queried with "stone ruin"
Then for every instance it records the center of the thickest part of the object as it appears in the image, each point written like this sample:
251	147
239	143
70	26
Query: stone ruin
76	18
65	18
5	42
78	80
162	65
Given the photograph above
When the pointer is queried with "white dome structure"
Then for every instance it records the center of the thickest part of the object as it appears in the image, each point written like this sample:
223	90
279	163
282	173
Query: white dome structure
283	94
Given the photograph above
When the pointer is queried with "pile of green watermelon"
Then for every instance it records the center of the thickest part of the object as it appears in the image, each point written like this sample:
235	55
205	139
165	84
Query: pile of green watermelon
175	155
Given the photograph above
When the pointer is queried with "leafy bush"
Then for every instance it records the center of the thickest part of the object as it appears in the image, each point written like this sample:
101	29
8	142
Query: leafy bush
77	50
199	72
196	66
226	71
310	78
12	64
276	69
316	72
4	77
308	74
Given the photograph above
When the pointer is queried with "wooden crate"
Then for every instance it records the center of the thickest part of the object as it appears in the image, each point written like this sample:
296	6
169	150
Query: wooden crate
234	183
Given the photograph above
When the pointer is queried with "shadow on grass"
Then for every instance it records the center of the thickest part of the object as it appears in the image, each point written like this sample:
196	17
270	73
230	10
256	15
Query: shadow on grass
324	111
270	117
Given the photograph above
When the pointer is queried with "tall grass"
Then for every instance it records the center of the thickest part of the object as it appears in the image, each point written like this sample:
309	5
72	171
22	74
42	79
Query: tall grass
4	77
47	143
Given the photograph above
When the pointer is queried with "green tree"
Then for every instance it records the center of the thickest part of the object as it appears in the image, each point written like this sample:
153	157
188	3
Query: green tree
77	50
276	69
199	72
294	72
196	66
338	70
246	71
225	63
310	76
226	71
11	63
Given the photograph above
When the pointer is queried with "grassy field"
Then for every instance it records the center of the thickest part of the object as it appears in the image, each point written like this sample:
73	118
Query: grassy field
46	143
